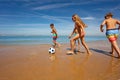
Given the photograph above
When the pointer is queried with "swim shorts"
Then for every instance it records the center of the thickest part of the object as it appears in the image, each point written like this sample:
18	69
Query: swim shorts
54	37
112	34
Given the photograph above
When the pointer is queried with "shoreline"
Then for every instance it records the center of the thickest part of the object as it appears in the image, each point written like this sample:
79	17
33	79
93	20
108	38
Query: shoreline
34	40
29	44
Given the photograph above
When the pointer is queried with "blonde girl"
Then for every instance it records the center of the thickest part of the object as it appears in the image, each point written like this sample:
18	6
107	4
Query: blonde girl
79	25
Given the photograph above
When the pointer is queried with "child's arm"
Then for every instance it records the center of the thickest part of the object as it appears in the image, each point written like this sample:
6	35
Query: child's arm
119	27
102	25
118	22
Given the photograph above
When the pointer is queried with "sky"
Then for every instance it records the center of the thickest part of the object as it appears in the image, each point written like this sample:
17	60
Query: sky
33	17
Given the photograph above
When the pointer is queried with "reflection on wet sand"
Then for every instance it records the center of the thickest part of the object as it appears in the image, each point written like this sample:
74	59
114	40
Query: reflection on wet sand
112	71
78	68
52	57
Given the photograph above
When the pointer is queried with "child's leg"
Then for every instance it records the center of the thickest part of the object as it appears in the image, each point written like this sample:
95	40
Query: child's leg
75	46
54	43
115	46
84	44
58	44
112	50
72	43
78	45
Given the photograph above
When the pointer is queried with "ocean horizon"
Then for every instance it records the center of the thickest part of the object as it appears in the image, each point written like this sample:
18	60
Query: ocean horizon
41	39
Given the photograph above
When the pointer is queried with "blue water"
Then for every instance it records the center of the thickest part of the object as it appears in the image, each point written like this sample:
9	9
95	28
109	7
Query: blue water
21	40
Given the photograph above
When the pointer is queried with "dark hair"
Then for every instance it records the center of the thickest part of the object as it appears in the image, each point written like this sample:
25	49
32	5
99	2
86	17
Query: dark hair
109	14
52	24
105	17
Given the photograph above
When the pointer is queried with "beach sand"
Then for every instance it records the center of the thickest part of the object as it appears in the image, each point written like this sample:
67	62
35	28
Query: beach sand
33	62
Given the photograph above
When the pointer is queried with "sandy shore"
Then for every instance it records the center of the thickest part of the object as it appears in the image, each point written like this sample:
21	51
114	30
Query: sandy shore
33	62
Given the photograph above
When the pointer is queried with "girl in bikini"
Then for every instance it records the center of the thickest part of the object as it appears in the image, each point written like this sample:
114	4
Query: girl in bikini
79	26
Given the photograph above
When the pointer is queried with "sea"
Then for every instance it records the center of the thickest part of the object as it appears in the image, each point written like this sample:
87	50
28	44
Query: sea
34	40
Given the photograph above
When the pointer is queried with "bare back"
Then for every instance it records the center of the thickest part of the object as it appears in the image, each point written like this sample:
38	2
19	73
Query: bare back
111	23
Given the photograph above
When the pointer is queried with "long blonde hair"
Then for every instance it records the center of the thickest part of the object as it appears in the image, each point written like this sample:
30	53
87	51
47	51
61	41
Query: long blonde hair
78	19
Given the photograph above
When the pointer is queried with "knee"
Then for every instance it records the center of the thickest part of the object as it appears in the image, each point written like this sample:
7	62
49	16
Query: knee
71	40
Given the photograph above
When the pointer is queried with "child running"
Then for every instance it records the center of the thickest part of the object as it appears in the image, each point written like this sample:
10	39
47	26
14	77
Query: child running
79	26
111	32
55	35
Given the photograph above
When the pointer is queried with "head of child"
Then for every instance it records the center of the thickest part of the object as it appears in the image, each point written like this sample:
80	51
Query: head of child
109	15
76	18
51	26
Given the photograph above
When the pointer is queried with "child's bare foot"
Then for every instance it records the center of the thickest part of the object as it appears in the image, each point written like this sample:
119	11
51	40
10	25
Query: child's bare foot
111	52
89	53
78	50
52	57
70	52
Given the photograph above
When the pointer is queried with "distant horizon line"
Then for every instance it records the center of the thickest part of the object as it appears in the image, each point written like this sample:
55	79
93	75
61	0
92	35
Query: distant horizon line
41	35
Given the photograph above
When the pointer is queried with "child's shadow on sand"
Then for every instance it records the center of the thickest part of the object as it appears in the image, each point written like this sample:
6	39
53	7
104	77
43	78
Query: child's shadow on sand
102	51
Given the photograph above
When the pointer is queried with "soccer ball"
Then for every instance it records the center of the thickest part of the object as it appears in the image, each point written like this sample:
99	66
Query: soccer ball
52	50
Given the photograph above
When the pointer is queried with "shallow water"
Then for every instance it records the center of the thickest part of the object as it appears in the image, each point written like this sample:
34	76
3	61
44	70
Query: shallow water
28	40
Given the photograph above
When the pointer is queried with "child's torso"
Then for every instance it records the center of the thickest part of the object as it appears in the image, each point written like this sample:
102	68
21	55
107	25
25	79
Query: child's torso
110	24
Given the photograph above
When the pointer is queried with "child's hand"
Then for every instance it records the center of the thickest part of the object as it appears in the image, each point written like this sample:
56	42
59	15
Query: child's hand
69	37
119	27
102	30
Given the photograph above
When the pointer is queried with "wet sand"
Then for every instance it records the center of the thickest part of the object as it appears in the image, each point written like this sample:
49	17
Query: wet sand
33	62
